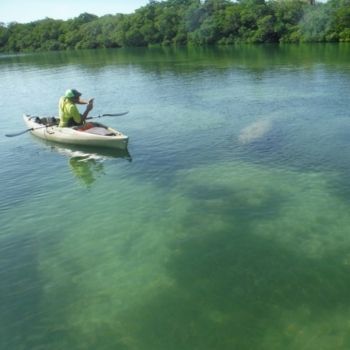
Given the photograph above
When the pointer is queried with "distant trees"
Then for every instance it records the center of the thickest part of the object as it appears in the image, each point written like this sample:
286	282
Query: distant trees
187	22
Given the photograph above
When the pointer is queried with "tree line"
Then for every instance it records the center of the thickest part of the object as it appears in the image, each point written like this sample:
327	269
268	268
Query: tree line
187	22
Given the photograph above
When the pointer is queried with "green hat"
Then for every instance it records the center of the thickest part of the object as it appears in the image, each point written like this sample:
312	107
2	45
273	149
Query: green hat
71	93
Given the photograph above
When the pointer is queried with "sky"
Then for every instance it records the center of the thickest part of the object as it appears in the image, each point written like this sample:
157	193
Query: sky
24	11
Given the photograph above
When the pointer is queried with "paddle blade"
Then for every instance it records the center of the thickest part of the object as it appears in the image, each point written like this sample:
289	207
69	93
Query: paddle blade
115	114
18	133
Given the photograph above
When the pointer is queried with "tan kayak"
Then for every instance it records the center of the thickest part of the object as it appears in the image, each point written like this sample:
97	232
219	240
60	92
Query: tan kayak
92	134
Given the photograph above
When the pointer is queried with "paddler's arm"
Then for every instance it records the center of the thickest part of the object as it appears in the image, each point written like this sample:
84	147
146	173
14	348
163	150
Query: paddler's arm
82	102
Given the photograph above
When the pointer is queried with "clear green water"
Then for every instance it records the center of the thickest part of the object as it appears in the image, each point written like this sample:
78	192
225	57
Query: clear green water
226	226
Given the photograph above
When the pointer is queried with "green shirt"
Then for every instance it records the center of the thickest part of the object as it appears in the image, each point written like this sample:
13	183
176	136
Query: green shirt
67	111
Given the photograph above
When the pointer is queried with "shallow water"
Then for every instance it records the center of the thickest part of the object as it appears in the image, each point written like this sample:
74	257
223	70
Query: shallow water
226	224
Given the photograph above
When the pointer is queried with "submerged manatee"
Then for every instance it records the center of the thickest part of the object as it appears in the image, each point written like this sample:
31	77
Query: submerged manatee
255	131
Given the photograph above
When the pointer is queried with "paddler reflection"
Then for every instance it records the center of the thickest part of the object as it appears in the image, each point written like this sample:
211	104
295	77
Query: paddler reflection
86	169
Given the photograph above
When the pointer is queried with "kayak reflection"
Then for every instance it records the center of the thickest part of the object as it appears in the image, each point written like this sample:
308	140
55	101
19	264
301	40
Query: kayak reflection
86	163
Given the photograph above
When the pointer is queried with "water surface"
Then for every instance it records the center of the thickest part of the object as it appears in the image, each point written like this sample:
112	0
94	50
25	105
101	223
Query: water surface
226	224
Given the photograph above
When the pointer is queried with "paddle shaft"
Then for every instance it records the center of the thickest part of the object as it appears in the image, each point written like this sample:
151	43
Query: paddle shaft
30	129
108	115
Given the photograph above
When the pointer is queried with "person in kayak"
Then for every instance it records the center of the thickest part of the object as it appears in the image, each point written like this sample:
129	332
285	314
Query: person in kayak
68	112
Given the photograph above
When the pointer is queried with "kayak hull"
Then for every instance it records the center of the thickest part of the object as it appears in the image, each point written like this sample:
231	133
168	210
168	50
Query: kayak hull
72	136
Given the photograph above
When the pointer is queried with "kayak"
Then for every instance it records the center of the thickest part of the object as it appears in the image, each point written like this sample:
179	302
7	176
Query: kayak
91	134
84	152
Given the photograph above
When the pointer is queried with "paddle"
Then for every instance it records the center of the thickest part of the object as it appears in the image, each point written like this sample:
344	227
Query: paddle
108	115
30	129
46	126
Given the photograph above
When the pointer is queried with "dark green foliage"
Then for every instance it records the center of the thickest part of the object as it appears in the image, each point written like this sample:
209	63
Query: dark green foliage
181	22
